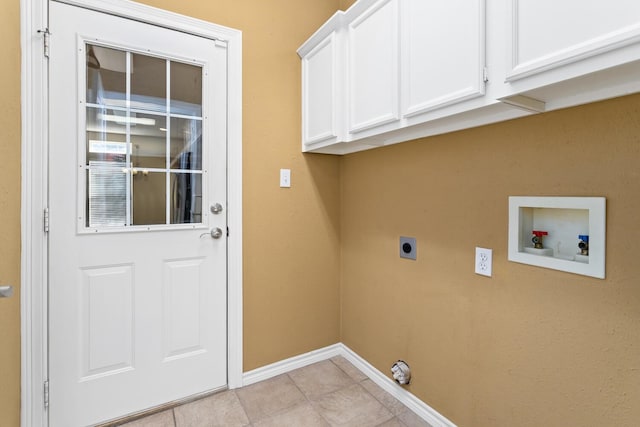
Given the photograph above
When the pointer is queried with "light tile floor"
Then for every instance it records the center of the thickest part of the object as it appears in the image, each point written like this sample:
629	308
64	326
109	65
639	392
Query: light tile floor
328	393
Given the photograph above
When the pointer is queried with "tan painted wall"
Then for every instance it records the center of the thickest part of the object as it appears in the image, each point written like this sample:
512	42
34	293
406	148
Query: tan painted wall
529	346
346	4
10	212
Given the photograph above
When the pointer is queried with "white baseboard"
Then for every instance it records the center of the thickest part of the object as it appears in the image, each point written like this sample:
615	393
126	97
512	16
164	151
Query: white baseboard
424	411
420	408
287	365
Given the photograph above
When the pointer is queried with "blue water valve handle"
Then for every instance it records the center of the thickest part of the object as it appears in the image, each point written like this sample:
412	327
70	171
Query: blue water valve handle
584	237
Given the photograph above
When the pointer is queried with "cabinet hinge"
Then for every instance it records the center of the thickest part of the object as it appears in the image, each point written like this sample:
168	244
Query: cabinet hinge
46	34
45	220
227	231
46	394
485	74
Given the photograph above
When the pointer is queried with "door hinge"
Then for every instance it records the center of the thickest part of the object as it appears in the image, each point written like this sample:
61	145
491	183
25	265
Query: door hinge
485	74
227	231
46	394
46	39
45	220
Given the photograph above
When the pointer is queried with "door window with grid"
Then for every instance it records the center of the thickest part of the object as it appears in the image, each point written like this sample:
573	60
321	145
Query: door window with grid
144	140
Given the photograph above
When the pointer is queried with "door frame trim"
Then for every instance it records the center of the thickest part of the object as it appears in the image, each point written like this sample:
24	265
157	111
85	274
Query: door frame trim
34	187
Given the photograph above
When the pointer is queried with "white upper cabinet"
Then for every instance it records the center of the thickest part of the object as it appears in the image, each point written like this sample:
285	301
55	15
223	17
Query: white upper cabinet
320	89
322	71
388	71
373	67
547	34
570	52
443	54
385	66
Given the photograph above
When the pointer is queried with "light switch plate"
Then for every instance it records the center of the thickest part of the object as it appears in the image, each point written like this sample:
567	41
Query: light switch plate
285	178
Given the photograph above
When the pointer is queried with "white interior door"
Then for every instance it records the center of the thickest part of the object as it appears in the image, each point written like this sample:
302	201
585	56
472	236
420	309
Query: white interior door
137	283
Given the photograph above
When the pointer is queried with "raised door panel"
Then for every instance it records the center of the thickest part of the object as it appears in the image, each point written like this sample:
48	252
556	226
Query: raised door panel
184	312
547	34
442	53
319	79
107	314
373	78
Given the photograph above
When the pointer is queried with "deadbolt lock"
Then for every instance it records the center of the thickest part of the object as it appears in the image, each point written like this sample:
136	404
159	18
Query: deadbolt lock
216	208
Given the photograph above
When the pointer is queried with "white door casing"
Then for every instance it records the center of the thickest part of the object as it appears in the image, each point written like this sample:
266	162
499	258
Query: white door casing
34	293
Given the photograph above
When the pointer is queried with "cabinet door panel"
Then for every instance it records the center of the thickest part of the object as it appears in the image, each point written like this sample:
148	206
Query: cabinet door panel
319	92
547	34
442	53
373	67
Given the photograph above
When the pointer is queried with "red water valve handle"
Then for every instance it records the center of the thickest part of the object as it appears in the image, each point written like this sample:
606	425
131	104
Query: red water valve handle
539	233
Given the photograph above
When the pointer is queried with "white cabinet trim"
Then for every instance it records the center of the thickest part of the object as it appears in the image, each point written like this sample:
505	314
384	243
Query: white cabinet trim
469	92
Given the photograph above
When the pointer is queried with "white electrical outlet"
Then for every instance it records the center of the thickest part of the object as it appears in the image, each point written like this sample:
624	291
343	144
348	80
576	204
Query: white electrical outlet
484	261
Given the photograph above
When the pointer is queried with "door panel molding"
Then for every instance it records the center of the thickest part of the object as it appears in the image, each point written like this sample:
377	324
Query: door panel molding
34	184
